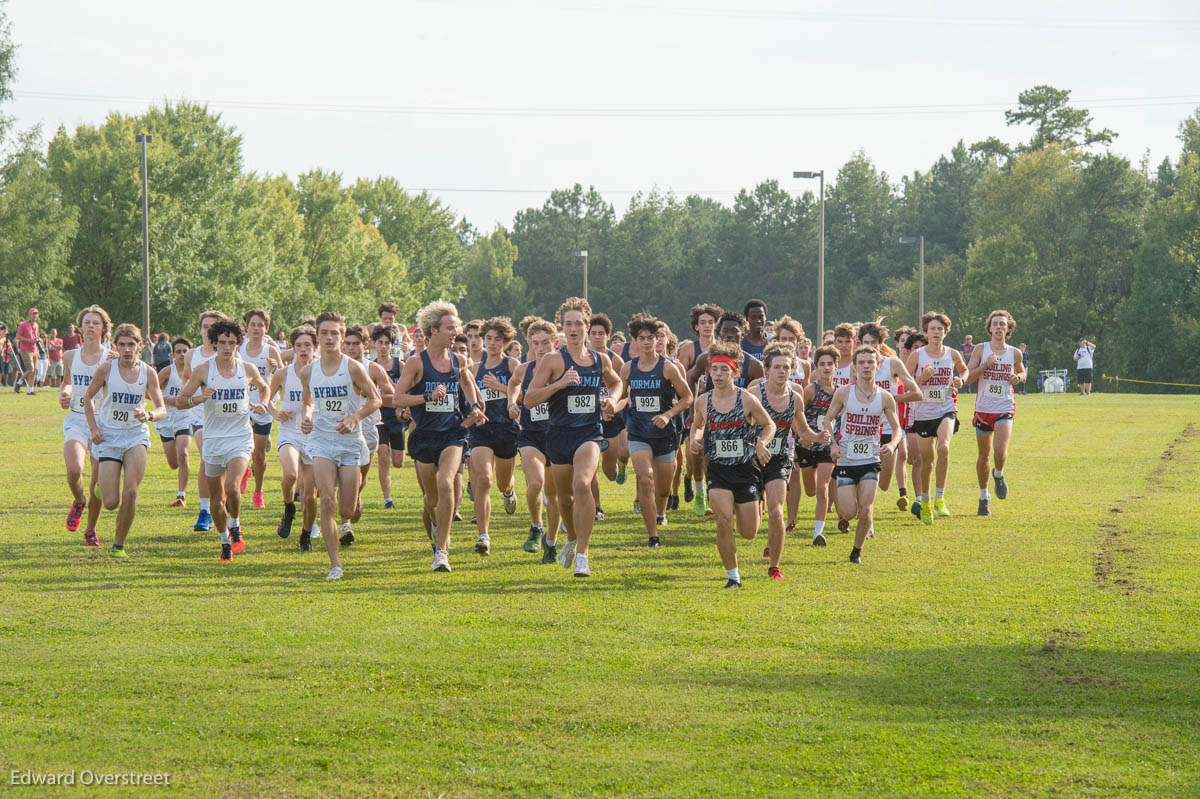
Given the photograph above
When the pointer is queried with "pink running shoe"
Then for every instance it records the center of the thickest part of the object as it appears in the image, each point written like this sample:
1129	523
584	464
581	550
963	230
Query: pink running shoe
245	479
258	500
73	515
89	539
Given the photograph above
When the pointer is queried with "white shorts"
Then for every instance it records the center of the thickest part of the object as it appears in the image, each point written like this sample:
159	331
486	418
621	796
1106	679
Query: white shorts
370	441
343	450
119	440
217	454
75	428
299	445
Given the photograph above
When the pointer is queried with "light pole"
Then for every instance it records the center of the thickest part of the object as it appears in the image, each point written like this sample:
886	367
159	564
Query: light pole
921	298
820	248
583	254
143	139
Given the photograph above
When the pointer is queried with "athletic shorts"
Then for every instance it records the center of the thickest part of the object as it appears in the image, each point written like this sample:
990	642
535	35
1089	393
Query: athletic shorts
499	437
885	438
778	468
54	369
810	458
75	428
663	449
741	479
218	453
853	474
197	427
613	427
118	441
391	433
343	450
927	428
261	428
167	432
986	422
300	445
1083	375
425	446
563	442
532	438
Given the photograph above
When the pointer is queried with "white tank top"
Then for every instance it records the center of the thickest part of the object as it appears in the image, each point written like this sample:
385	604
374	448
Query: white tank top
81	378
842	376
938	397
995	392
333	395
122	398
261	362
291	399
195	358
174	384
861	424
885	378
227	414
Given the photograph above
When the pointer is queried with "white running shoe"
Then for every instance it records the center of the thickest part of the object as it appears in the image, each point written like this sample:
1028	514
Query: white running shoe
335	573
581	566
510	502
483	544
441	563
567	556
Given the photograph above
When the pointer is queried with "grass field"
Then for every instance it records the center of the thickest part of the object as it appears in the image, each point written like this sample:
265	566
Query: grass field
1052	649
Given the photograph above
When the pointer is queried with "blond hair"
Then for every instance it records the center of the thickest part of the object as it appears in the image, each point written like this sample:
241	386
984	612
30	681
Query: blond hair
431	316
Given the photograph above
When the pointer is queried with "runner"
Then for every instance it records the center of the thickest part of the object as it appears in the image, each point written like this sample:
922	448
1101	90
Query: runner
294	463
473	330
939	371
494	443
755	340
735	440
120	437
175	430
198	355
658	395
222	384
844	342
891	376
914	340
339	398
354	345
780	398
80	367
704	324
815	461
862	408
789	331
392	423
260	350
900	337
614	452
570	379
430	386
998	367
531	441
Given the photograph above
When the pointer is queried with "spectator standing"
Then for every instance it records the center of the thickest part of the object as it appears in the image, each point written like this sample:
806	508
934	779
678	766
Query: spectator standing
72	340
27	336
54	365
7	357
43	348
1083	366
161	352
967	348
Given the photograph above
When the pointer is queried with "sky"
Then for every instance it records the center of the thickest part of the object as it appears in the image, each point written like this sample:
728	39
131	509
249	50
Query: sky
490	105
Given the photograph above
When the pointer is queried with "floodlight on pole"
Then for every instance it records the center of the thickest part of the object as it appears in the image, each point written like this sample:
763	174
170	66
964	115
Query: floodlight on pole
583	254
921	294
820	175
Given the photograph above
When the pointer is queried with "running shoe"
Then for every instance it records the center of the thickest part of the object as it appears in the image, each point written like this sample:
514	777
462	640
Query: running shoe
600	514
915	508
766	552
74	514
226	553
567	557
388	504
621	474
637	507
731	583
774	573
661	520
531	542
902	502
470	491
204	521
347	537
673	502
357	511
818	539
843	524
549	551
983	508
179	502
483	544
581	566
708	511
457	516
689	493
258	500
285	524
117	552
510	502
441	562
791	528
856	556
305	541
698	505
238	543
1001	486
245	479
939	505
926	513
654	542
90	540
335	573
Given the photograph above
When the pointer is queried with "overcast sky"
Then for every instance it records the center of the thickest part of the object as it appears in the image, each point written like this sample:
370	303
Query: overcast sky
490	104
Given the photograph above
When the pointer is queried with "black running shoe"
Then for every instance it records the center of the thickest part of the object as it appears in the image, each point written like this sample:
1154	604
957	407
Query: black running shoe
983	508
347	538
226	553
819	540
915	509
689	493
733	584
654	542
1001	486
388	504
673	502
549	551
305	541
856	555
285	524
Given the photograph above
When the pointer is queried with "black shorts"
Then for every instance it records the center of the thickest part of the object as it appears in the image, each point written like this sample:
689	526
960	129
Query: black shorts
391	433
856	472
613	427
1083	375
563	442
532	438
810	458
499	437
885	438
927	428
263	429
742	480
175	435
425	446
666	445
778	468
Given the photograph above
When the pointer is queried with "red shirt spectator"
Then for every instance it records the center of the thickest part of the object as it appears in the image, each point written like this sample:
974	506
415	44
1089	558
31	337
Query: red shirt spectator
27	332
55	346
72	340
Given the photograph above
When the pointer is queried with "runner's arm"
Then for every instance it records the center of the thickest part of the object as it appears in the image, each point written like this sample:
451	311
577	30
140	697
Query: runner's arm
541	388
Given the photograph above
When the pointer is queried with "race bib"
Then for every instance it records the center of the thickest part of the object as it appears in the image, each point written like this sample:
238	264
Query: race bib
122	417
581	403
775	446
334	408
730	448
820	424
935	394
491	395
439	405
997	389
230	407
861	449
647	404
540	413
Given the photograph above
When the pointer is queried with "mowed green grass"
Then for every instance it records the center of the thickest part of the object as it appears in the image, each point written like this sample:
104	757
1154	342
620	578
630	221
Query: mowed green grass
1052	649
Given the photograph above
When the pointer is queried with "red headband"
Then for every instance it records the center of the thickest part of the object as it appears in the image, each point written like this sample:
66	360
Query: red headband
725	359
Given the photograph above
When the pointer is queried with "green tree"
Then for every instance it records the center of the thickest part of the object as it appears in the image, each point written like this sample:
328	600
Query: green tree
489	286
1054	121
8	67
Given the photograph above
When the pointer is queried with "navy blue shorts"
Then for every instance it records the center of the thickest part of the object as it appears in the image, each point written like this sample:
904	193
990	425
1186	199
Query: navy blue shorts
391	433
613	427
425	446
563	442
532	438
499	437
659	446
263	429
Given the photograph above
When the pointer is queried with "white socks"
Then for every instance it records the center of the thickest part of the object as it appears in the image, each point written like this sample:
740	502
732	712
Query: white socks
733	574
983	494
224	536
941	493
204	504
818	526
997	472
233	522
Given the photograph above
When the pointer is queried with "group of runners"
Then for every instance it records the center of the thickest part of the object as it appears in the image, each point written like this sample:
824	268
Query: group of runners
748	416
